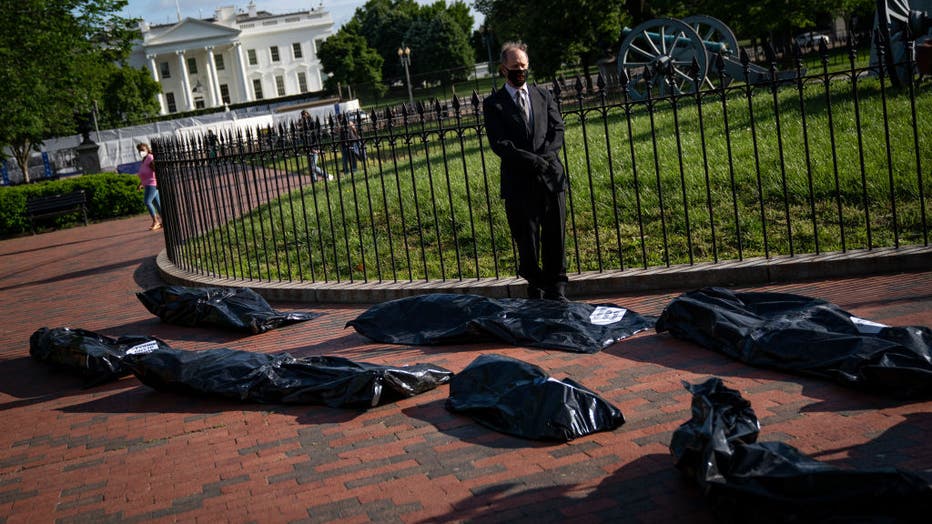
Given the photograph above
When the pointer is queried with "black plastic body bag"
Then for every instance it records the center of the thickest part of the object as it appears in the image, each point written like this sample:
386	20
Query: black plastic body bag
237	309
446	318
241	375
94	357
281	378
750	481
805	335
520	399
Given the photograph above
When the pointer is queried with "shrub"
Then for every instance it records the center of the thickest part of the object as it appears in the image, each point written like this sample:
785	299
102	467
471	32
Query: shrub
109	195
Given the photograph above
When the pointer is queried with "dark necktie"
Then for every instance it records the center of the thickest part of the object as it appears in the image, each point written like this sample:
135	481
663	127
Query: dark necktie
522	105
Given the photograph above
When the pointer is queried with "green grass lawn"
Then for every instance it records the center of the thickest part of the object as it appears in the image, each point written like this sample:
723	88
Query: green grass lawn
664	190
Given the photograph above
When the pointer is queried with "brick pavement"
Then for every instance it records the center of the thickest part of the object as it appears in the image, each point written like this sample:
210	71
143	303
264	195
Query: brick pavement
122	452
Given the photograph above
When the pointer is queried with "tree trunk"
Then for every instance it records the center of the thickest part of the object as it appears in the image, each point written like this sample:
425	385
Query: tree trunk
21	152
585	69
638	10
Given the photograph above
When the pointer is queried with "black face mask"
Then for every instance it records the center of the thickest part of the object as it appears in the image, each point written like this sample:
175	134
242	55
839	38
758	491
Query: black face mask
517	77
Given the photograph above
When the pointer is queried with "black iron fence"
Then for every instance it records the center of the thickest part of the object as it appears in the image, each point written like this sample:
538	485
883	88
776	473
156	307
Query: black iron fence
690	170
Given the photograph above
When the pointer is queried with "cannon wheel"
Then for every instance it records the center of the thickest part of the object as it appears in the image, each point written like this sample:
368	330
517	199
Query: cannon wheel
892	20
666	48
713	30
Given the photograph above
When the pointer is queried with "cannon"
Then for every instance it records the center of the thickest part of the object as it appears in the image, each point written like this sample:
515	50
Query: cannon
665	55
896	22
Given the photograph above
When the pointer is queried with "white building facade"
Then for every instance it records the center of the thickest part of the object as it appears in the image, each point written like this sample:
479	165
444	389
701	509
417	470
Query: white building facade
234	57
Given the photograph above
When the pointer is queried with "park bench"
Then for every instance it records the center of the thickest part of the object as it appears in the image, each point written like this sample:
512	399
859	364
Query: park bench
55	205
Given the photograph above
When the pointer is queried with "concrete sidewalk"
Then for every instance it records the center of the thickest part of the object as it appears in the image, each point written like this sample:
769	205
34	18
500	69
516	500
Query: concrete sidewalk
123	452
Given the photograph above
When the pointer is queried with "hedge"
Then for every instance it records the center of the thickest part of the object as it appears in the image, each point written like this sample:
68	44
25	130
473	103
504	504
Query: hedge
109	195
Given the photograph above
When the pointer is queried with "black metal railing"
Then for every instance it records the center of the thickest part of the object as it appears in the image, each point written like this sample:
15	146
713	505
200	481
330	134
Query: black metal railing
797	162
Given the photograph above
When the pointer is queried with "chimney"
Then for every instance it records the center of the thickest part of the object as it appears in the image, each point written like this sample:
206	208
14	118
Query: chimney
252	9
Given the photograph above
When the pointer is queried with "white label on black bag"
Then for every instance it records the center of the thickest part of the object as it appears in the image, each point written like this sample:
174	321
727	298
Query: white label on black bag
868	327
140	349
603	316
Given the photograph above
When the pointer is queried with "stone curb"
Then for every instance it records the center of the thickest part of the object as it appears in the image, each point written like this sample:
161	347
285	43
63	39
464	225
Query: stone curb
592	283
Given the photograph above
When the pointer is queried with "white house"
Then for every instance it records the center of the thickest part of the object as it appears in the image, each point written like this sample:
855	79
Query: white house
234	57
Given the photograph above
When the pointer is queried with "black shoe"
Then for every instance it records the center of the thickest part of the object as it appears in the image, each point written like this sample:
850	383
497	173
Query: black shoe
556	292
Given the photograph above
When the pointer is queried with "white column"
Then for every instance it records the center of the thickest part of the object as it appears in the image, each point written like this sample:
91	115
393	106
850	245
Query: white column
154	68
241	68
213	86
185	83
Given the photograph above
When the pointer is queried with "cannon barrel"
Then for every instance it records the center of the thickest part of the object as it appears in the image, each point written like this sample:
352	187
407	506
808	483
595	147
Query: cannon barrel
670	40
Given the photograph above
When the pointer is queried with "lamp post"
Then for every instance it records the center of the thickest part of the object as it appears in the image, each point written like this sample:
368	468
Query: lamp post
404	53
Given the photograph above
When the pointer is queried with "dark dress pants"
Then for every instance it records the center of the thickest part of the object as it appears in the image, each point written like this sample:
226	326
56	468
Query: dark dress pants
538	227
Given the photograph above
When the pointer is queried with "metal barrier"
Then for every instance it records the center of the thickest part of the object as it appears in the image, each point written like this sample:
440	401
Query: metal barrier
822	162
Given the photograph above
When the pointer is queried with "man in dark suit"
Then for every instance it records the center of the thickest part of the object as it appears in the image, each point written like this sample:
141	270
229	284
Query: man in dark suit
526	131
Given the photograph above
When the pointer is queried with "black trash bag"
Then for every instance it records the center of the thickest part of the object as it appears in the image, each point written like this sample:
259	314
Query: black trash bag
94	357
520	399
281	378
442	318
239	309
749	481
805	335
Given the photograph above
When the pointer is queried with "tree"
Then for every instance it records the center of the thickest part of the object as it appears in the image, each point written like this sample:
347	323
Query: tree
458	11
557	31
484	44
348	58
763	18
51	55
384	24
128	97
442	47
438	35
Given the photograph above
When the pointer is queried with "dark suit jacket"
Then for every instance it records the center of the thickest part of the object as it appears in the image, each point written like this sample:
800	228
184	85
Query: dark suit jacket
526	159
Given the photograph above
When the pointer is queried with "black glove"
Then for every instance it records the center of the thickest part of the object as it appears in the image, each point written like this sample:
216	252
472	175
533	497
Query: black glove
552	174
541	165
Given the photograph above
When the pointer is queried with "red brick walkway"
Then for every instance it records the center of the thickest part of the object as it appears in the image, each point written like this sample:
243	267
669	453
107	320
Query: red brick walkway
125	453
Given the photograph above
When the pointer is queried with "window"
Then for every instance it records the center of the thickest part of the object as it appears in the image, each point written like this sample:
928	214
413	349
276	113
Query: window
199	103
274	52
251	53
257	87
192	66
280	85
316	44
170	102
302	82
296	49
218	61
164	70
225	93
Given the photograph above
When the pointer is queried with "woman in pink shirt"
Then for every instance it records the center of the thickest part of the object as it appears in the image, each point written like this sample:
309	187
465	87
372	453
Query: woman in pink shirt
148	185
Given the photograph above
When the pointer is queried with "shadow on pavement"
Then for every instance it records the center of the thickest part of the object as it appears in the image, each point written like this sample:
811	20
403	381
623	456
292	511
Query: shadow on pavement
143	399
98	270
648	489
146	275
32	383
903	446
63	244
169	332
468	430
669	352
